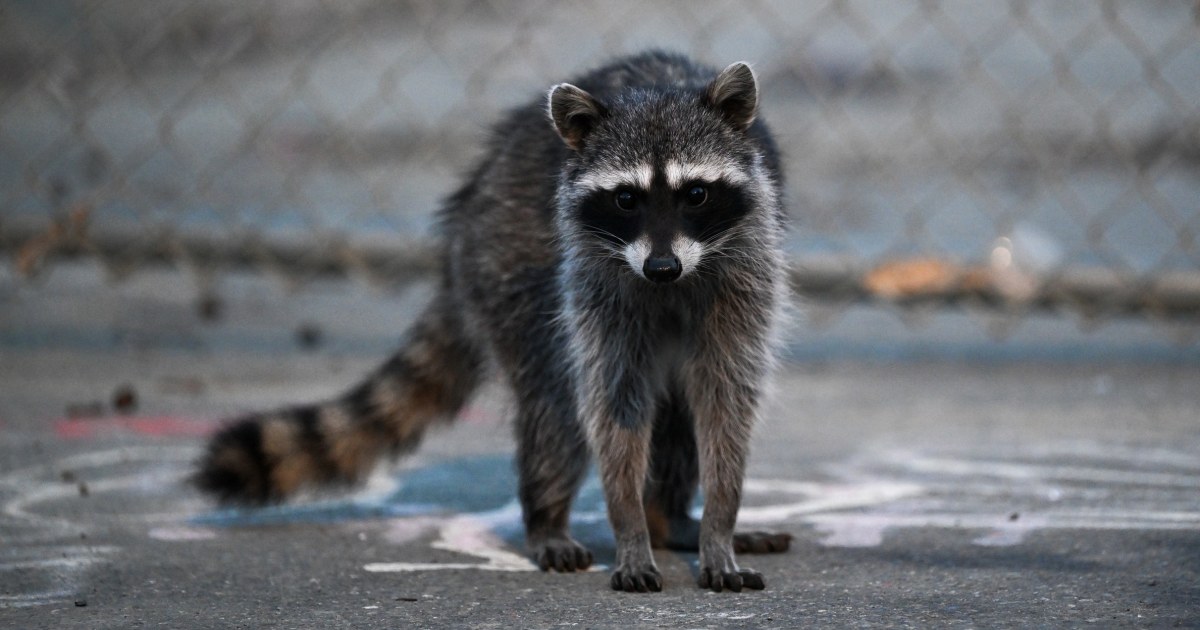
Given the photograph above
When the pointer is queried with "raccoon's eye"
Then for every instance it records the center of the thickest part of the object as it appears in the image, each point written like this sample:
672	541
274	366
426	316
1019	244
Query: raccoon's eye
625	200
696	196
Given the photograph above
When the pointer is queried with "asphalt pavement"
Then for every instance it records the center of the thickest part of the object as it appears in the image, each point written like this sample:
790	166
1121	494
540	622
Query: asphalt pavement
1008	493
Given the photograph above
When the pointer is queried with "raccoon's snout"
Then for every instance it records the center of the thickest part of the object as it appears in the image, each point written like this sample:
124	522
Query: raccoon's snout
662	268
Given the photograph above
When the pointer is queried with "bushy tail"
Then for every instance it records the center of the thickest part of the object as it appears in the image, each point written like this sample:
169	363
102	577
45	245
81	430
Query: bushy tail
269	456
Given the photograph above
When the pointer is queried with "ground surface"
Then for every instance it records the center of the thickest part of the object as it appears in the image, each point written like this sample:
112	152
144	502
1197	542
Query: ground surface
1010	493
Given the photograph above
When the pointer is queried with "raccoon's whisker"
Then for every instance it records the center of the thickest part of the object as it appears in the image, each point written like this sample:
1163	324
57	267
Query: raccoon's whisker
596	244
737	239
605	234
718	230
721	230
706	271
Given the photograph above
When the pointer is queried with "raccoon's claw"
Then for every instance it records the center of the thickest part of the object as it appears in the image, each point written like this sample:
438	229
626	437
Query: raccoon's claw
639	580
732	580
563	555
761	542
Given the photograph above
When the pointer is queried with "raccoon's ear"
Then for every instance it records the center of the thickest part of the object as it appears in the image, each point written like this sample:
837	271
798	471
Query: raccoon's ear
734	93
574	113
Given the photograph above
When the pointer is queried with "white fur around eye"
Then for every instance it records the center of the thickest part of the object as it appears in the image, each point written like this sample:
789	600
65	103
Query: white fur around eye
680	173
639	177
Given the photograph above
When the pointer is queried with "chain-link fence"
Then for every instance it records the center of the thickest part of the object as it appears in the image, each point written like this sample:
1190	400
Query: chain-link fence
1012	155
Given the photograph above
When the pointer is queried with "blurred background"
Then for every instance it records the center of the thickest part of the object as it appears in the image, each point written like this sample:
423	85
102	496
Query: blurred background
983	181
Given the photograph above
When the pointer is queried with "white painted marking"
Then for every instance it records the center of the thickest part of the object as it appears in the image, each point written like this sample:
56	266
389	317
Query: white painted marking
1022	471
822	498
182	533
65	563
97	459
1004	536
19	507
469	535
1112	452
1101	489
402	531
1056	486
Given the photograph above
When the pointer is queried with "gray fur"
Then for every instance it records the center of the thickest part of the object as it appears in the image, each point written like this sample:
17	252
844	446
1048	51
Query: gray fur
660	381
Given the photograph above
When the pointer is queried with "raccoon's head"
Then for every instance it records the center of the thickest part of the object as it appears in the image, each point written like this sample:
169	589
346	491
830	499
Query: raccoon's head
660	177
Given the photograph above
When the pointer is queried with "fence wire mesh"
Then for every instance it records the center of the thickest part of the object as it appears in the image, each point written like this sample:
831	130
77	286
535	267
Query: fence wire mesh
1007	155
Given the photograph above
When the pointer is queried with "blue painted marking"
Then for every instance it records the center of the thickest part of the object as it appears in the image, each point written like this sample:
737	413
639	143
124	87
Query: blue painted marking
474	485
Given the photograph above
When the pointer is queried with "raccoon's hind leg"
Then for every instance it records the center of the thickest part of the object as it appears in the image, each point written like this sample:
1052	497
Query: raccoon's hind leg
552	459
268	457
671	482
671	486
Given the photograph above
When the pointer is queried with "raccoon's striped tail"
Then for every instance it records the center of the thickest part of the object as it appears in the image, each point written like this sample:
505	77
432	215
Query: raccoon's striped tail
266	457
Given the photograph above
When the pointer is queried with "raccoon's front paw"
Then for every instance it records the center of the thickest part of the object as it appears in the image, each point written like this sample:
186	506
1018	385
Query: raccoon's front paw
640	579
561	553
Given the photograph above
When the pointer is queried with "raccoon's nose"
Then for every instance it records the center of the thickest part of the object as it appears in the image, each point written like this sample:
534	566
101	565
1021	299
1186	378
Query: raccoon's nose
662	268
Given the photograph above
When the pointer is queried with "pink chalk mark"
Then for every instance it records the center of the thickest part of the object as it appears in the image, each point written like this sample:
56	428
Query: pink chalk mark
157	426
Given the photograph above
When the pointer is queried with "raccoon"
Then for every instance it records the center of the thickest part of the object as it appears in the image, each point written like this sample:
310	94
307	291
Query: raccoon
615	259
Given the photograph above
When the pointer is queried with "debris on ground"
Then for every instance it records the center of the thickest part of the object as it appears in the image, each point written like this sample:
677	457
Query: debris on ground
309	335
124	399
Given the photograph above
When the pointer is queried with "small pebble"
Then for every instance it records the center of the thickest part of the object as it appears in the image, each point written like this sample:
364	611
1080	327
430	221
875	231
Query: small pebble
309	336
124	399
81	602
210	307
83	489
